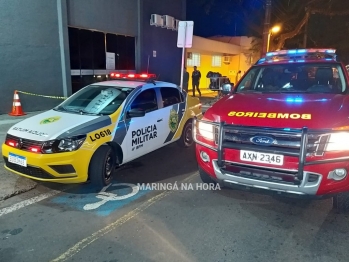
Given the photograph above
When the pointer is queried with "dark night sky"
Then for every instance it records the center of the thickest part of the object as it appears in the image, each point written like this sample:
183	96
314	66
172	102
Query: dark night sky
209	25
324	31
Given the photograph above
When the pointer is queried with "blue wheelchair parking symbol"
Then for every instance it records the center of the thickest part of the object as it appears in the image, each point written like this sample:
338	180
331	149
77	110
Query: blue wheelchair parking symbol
107	196
107	200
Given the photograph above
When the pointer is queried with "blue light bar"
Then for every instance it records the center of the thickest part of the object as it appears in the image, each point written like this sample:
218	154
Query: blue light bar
301	51
296	100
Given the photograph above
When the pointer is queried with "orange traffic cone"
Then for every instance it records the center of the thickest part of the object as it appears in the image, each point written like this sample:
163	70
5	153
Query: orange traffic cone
16	107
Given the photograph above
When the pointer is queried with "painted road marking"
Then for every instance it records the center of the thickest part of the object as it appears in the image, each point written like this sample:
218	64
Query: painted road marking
27	202
102	232
104	202
106	196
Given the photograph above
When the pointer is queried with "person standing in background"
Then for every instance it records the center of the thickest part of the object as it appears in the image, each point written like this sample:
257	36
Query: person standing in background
185	80
237	78
196	76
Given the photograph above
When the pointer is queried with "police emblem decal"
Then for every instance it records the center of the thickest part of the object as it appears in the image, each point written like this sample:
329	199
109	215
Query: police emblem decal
173	121
50	120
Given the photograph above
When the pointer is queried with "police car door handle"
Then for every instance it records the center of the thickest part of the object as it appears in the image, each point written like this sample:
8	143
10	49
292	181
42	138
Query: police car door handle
159	120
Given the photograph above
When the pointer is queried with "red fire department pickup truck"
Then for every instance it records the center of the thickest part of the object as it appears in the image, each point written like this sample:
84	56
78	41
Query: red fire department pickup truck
283	128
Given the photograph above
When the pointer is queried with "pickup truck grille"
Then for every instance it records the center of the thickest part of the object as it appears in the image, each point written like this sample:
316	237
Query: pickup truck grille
286	141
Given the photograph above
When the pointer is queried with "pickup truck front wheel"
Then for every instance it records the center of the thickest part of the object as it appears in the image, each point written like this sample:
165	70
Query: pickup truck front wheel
205	178
341	202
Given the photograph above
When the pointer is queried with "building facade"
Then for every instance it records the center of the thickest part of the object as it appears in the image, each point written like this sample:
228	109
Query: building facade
229	56
55	47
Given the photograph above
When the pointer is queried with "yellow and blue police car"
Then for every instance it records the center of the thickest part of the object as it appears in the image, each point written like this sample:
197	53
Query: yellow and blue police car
99	128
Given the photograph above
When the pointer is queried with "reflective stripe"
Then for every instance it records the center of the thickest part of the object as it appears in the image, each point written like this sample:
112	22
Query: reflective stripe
16	96
16	103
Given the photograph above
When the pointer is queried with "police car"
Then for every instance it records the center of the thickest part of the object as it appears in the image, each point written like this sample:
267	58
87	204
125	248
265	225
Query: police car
99	128
284	128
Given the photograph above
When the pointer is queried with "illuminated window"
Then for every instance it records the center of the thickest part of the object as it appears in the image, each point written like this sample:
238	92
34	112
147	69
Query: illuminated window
216	61
193	60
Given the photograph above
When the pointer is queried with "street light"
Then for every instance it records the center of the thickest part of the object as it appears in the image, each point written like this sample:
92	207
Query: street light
275	29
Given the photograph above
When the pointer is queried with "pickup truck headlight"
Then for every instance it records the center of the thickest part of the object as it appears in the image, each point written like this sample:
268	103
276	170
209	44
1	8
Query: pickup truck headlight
206	131
338	142
63	145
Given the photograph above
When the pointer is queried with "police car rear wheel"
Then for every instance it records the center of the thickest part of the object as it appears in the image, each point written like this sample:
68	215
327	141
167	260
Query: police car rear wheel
102	166
186	139
341	202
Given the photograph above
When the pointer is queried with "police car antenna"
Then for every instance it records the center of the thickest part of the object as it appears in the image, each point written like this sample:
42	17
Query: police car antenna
152	80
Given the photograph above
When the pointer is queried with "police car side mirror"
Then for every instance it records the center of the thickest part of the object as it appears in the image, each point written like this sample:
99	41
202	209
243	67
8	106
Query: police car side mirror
136	112
226	88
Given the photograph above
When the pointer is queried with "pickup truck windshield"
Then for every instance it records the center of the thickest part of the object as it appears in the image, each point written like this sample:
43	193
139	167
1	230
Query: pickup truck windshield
299	78
95	100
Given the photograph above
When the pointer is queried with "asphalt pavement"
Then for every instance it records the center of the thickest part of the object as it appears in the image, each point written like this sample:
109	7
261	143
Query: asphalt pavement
12	184
78	223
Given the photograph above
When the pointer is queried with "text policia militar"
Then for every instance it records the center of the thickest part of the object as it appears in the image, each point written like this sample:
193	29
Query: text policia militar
179	186
142	135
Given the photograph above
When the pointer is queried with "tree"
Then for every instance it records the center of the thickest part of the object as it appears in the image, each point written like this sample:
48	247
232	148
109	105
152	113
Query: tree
295	24
292	15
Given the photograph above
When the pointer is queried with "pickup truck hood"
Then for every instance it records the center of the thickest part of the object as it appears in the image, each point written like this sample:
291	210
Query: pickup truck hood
53	124
282	110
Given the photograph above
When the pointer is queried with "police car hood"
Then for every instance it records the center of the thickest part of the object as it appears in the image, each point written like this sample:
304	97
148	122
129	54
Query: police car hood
53	124
282	110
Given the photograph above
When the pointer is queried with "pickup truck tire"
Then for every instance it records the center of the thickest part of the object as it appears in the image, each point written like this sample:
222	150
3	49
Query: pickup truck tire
186	140
102	166
341	202
205	178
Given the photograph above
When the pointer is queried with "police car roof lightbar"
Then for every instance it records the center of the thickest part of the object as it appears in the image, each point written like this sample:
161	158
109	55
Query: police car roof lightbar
299	54
132	76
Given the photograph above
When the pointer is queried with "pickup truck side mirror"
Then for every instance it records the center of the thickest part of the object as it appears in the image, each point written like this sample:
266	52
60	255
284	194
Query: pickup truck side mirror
136	112
227	88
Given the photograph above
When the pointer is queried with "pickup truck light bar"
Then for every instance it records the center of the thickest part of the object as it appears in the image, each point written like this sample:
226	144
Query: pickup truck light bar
299	55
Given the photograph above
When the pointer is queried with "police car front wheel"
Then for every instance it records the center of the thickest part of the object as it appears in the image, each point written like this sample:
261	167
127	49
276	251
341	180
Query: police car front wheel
102	166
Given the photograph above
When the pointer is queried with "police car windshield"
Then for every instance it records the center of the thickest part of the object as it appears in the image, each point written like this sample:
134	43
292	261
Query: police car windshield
294	78
96	100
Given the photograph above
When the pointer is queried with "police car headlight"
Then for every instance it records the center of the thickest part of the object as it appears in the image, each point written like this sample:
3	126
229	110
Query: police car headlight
206	131
338	142
63	145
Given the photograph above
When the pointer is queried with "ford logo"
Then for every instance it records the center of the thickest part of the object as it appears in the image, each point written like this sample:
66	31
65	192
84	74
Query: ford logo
262	140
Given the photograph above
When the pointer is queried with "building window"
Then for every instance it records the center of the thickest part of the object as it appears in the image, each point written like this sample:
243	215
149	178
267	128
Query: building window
193	60
216	61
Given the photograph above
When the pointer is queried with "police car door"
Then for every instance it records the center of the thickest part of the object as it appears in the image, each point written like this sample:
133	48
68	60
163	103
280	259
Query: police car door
173	111
142	134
